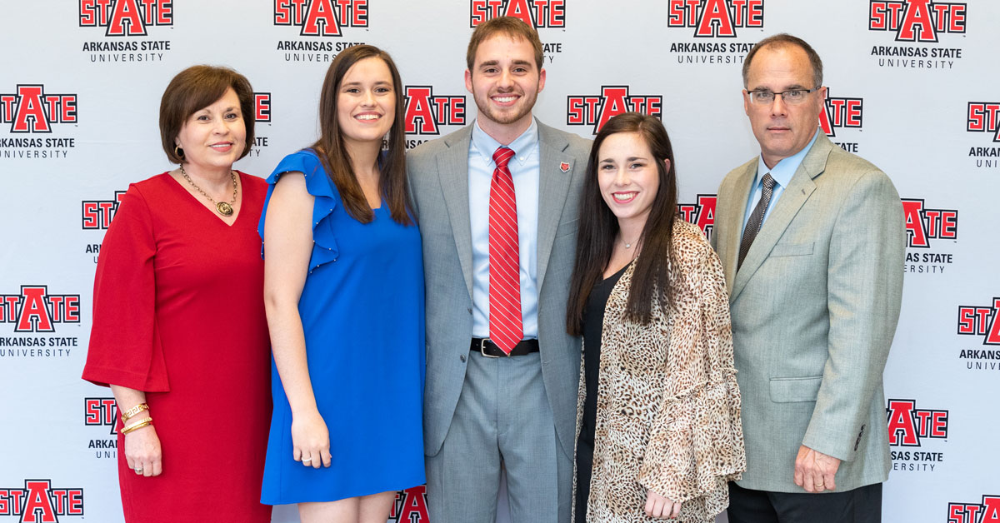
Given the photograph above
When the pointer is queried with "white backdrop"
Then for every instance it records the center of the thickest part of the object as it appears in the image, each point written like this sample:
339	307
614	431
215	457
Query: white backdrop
912	88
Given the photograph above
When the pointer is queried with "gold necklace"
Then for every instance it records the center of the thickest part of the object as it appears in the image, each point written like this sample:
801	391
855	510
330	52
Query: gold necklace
224	208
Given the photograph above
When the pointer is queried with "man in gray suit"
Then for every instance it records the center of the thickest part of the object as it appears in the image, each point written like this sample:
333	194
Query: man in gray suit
812	241
497	204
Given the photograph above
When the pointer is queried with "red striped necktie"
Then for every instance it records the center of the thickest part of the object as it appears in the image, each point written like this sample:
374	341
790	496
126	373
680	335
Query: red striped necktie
506	329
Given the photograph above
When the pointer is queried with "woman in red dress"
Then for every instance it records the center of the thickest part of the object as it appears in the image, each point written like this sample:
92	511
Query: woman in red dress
179	329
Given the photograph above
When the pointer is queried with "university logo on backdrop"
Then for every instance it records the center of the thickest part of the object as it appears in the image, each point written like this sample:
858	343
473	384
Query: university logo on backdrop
410	505
102	412
33	316
979	322
842	113
426	113
124	23
595	110
317	21
701	213
910	429
261	115
983	118
31	111
927	231
97	216
988	510
540	14
712	26
39	501
916	25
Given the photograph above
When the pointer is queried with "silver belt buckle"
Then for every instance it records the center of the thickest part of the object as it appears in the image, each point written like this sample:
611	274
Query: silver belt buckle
482	349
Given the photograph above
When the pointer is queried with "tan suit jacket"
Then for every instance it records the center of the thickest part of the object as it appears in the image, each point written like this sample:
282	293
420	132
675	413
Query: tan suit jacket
814	309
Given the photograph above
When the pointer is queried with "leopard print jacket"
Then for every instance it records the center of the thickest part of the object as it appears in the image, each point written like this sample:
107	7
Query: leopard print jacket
668	406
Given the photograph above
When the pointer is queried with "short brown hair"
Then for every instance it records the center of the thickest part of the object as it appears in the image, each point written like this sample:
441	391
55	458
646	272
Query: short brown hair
507	25
195	88
784	40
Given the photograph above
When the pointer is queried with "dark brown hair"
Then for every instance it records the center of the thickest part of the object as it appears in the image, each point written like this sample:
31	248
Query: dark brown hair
782	40
196	88
330	148
599	227
507	25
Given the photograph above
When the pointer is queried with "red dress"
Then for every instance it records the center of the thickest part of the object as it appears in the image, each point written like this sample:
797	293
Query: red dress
179	314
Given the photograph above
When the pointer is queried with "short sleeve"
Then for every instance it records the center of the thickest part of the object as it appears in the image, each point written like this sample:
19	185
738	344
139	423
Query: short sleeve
125	347
319	185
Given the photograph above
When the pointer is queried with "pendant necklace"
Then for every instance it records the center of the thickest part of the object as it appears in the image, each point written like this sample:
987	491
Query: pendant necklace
224	208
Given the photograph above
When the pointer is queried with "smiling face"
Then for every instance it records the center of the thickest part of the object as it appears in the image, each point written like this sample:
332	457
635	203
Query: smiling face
629	178
366	102
214	136
505	82
782	129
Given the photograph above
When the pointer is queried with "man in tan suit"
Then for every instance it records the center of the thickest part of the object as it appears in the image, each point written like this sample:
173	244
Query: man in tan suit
812	241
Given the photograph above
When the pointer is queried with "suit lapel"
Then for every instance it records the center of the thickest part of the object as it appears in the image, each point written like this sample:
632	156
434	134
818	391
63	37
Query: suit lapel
734	227
553	187
799	189
453	173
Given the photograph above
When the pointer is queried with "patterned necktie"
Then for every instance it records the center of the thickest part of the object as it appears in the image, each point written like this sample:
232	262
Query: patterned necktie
756	218
506	329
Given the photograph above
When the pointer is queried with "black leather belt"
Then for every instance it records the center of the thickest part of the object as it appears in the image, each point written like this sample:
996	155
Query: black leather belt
487	348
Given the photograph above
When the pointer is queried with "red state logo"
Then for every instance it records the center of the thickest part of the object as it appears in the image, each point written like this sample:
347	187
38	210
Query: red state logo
126	17
980	321
35	310
536	13
38	501
986	511
715	18
321	17
426	112
32	110
916	20
596	110
907	424
701	214
924	224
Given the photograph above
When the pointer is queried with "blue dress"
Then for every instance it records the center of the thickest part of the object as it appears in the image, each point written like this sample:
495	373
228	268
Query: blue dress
362	310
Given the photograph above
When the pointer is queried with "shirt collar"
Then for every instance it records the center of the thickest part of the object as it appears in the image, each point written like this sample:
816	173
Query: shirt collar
524	146
783	171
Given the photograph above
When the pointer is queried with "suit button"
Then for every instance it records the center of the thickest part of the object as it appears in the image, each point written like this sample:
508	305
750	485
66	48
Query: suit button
462	357
470	310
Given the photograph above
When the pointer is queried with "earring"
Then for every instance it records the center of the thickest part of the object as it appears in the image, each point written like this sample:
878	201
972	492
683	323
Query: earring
178	151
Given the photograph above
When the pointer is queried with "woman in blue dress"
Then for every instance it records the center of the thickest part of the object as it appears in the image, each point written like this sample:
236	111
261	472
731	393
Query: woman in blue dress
343	291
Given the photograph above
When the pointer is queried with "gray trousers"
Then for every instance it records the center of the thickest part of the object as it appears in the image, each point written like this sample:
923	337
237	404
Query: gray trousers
503	417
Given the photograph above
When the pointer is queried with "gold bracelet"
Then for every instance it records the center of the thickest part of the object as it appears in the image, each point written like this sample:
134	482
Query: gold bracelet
134	411
141	424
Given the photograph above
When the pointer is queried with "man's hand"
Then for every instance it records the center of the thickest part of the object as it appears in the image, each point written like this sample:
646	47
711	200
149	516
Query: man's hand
814	471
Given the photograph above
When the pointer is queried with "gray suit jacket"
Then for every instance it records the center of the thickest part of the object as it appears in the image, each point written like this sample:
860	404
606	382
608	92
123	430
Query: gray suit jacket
438	172
814	309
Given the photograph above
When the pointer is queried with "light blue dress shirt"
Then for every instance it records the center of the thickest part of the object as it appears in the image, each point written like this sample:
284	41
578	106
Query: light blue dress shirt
781	173
524	170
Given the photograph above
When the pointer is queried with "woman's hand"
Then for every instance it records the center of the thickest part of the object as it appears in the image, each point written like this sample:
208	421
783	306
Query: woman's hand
311	440
143	453
661	507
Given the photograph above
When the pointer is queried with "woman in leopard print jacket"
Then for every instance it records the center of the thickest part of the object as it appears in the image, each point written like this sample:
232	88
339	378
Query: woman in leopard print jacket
658	420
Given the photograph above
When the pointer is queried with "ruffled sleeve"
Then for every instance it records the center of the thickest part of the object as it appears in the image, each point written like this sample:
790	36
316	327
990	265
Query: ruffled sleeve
319	185
696	442
125	347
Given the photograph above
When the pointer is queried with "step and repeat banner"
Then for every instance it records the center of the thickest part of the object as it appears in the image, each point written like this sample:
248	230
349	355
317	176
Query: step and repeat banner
912	88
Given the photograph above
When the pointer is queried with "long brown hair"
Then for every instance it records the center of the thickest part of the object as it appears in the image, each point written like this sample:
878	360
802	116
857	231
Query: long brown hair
599	227
330	148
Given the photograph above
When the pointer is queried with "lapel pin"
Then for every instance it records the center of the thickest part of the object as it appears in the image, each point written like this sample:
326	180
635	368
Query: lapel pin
564	166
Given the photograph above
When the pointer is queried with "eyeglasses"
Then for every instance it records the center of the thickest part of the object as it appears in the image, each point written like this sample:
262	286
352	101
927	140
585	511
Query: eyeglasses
790	96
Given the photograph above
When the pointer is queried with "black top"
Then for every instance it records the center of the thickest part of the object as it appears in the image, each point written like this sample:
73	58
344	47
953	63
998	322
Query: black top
593	324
